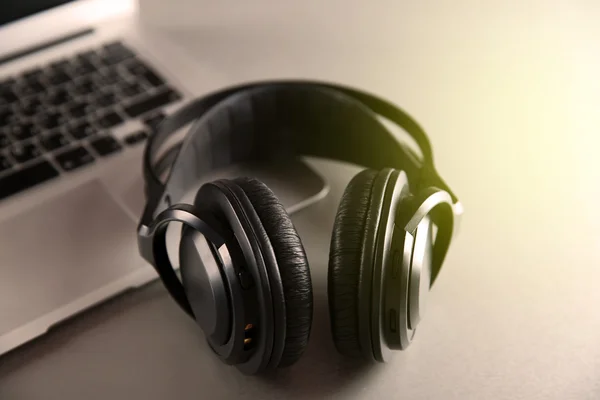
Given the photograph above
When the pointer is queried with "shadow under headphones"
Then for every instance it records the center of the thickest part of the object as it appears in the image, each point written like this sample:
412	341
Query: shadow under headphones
245	278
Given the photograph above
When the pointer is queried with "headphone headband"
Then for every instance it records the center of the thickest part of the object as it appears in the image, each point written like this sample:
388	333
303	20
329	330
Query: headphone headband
259	120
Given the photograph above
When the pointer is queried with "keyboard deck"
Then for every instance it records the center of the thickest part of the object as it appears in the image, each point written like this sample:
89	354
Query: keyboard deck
58	117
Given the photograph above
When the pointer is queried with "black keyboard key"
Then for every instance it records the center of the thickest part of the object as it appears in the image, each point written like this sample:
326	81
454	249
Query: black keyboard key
107	78
56	78
7	96
118	48
130	89
74	158
136	137
82	87
4	140
26	178
23	130
79	109
142	71
6	84
90	56
7	117
54	141
51	120
4	163
96	77
29	88
81	130
82	67
109	119
105	145
29	107
105	100
153	78
60	65
153	121
145	105
24	152
112	58
58	97
33	74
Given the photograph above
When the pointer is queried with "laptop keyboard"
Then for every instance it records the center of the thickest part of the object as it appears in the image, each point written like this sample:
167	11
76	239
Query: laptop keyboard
58	117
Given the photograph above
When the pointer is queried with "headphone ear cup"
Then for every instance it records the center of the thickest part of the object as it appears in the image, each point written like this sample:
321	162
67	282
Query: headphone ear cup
293	266
345	262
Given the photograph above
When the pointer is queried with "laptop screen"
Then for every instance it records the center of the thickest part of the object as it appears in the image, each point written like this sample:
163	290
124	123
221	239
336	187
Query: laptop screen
12	10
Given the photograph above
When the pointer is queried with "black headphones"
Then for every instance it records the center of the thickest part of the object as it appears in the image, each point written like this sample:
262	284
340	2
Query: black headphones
244	274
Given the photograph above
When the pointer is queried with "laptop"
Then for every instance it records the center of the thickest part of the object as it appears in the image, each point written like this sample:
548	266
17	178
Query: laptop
82	85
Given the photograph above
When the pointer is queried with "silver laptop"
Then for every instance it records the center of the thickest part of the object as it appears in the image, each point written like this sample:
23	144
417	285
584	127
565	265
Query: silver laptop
82	84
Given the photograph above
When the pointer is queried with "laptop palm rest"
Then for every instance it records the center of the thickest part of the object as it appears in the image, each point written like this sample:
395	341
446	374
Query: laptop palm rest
83	241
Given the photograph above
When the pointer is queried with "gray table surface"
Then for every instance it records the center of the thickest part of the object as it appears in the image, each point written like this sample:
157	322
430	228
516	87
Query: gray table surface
509	92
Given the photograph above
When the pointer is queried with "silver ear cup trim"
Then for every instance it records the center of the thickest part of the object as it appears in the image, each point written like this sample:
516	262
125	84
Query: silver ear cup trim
420	273
406	334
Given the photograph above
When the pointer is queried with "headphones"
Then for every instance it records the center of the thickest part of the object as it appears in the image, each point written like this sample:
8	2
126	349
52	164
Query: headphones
245	278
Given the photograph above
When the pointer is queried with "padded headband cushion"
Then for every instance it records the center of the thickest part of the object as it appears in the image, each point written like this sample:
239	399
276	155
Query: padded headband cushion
345	261
277	121
293	266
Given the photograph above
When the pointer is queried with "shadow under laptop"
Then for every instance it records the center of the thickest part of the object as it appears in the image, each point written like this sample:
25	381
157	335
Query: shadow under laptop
61	335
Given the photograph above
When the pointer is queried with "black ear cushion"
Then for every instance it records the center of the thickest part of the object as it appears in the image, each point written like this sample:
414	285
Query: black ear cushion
345	262
293	266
